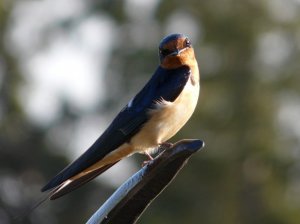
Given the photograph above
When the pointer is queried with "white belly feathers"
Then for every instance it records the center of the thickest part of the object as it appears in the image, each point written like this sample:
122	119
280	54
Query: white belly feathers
167	119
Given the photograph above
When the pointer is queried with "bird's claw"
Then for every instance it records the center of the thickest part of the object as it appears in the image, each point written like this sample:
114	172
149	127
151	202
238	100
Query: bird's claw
146	162
161	147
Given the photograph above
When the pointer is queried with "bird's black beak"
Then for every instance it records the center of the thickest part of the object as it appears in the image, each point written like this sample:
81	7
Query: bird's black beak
177	52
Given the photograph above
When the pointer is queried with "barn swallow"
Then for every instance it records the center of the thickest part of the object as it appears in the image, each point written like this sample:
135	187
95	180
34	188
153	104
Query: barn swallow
152	117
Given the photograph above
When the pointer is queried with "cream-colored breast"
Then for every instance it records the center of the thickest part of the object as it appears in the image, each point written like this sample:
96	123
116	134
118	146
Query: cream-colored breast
168	118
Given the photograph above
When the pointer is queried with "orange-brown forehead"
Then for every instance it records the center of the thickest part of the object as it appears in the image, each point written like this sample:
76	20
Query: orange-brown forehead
175	44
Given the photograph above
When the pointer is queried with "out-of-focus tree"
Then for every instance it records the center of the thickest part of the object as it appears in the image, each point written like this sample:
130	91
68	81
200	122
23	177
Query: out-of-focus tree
26	158
248	113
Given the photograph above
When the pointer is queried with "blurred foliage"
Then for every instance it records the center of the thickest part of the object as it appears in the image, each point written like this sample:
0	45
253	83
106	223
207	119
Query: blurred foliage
245	175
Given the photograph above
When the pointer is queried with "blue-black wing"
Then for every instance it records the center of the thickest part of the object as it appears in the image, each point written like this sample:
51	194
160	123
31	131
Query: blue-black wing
165	84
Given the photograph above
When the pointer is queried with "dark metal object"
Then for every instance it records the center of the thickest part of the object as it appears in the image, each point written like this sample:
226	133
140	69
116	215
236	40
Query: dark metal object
130	200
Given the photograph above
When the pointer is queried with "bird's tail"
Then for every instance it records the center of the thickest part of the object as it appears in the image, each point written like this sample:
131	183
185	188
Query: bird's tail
73	183
20	217
62	189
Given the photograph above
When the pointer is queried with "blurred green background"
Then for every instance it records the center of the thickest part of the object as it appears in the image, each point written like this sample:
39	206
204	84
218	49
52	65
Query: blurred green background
68	66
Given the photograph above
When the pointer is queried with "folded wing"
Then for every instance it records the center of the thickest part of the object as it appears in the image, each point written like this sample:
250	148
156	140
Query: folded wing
164	84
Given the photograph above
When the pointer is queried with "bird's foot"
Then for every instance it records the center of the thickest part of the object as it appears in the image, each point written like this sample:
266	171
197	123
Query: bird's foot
147	161
148	155
161	147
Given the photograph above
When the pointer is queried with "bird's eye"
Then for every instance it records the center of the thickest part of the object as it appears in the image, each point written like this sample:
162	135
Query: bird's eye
187	42
164	52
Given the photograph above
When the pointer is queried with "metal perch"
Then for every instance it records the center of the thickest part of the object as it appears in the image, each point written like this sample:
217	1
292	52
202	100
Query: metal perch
129	201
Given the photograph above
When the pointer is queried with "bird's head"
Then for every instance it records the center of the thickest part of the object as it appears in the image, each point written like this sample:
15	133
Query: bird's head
176	50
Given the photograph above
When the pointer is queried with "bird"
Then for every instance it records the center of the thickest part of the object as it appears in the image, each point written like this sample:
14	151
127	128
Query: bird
159	110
